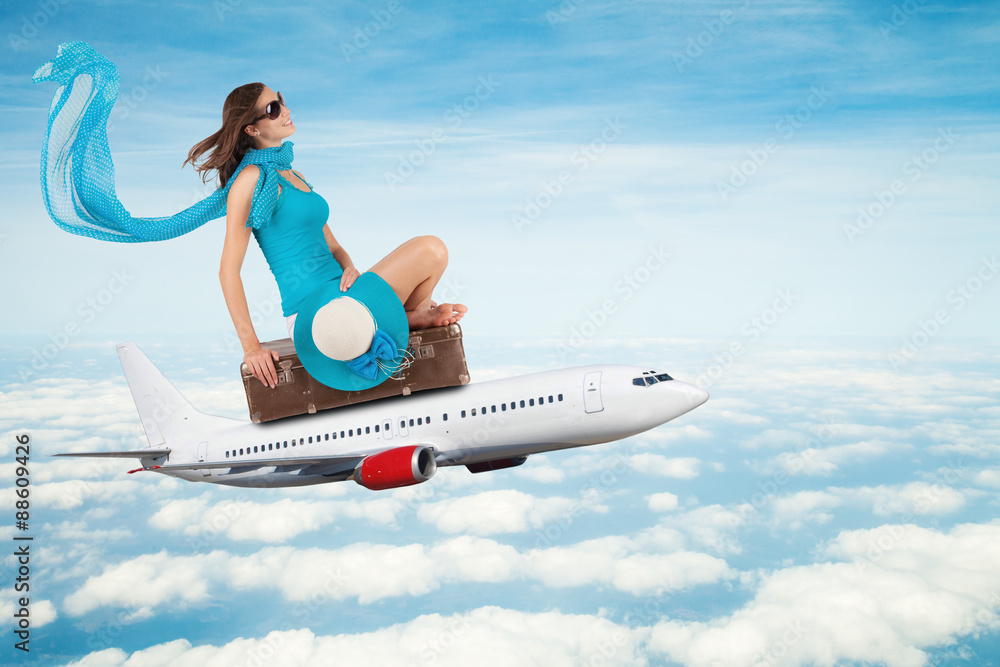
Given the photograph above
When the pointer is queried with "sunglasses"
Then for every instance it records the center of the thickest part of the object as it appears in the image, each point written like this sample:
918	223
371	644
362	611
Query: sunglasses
273	109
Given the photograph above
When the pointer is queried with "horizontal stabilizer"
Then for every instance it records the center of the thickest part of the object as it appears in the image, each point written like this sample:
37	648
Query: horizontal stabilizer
128	454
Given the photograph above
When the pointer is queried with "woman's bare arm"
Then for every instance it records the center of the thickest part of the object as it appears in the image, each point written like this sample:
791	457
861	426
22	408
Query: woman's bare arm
258	360
350	272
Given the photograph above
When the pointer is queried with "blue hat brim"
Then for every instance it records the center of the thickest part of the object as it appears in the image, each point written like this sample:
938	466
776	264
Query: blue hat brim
387	310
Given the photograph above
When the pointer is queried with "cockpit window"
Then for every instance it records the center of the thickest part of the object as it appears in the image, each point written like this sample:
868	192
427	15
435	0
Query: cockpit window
650	378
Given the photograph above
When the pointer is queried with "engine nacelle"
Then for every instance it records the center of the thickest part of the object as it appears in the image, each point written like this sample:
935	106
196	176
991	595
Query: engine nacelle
393	468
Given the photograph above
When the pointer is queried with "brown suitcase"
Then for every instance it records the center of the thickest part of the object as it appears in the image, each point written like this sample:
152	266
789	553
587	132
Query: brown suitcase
438	361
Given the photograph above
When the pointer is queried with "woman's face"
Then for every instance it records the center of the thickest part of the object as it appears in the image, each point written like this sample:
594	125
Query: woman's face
271	132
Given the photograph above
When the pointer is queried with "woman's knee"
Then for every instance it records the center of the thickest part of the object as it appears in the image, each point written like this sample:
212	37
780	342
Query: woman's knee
436	248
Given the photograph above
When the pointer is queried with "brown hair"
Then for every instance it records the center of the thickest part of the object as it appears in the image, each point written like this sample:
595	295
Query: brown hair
230	143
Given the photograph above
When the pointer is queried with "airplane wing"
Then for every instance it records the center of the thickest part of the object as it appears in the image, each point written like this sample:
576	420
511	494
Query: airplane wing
240	465
127	454
237	465
383	469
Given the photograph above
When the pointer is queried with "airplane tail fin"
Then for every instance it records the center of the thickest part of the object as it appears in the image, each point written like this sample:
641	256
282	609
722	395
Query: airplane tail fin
166	415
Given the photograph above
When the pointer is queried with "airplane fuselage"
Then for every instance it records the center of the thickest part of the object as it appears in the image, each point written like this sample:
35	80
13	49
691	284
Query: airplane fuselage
483	421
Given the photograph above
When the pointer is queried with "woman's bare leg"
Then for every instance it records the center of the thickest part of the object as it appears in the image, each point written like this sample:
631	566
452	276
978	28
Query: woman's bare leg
413	270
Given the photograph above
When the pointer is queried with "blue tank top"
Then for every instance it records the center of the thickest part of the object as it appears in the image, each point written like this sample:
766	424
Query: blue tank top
294	246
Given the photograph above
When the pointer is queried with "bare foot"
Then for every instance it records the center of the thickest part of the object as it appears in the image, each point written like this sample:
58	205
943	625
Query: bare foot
438	316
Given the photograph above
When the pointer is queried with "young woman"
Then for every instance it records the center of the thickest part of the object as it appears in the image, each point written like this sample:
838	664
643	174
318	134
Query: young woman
349	338
298	244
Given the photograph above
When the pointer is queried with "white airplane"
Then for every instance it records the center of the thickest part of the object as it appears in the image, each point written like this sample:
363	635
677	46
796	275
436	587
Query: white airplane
399	441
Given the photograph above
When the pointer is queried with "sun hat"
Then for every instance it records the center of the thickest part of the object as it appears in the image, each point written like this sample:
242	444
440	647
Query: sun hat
352	340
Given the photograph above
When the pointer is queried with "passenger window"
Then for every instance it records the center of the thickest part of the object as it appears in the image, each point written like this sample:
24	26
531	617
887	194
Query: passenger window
560	397
351	433
522	402
241	451
503	407
368	429
493	408
513	405
310	439
531	403
334	435
326	436
255	449
376	428
341	434
473	412
269	447
427	420
227	453
300	441
550	398
411	422
444	417
420	421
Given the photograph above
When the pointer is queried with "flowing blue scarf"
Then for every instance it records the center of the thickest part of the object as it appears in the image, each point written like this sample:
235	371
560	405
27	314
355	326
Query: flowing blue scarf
78	176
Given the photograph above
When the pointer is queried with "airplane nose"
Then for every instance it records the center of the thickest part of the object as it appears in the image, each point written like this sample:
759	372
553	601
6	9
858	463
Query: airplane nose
696	395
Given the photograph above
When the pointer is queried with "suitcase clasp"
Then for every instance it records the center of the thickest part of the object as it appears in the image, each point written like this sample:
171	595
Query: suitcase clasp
285	372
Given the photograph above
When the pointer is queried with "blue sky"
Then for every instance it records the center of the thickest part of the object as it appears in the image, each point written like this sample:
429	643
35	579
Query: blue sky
668	183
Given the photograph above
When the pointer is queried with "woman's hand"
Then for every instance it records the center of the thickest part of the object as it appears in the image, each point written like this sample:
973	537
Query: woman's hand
350	275
261	365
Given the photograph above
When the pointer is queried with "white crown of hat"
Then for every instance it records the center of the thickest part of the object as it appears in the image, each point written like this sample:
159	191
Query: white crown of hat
343	329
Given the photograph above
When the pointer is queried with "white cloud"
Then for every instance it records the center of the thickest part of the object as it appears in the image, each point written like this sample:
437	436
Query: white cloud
521	638
80	533
71	494
742	418
674	434
776	438
865	606
712	527
147	582
662	502
915	498
577	564
828	460
371	572
368	572
644	574
242	520
654	464
40	612
546	474
503	511
915	588
989	477
792	511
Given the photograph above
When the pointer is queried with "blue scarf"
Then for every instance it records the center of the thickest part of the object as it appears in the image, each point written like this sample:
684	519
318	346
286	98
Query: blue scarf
78	176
